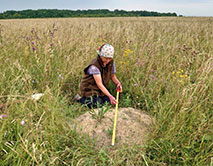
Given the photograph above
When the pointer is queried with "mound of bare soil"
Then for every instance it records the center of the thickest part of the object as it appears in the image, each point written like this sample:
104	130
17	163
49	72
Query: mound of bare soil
132	128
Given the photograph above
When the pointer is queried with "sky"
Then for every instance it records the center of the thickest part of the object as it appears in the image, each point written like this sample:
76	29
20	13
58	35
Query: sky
181	7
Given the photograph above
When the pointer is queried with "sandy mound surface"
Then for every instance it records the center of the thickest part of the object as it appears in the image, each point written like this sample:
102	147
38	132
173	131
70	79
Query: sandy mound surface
132	126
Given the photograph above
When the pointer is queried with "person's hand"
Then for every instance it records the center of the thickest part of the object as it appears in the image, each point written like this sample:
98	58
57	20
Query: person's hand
112	100
119	87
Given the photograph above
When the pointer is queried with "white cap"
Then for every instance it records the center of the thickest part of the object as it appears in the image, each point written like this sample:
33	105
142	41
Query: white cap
106	51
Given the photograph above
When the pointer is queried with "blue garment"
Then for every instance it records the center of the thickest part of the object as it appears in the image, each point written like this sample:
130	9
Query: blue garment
92	102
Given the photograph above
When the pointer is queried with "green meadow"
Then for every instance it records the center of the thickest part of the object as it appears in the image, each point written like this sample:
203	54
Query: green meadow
165	65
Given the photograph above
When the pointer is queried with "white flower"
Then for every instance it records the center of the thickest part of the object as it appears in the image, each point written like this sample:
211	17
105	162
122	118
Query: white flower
22	122
37	96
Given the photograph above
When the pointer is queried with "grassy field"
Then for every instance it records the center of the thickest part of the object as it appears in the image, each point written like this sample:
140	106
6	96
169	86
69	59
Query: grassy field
166	69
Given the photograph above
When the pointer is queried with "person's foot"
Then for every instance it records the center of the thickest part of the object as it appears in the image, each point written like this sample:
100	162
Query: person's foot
77	97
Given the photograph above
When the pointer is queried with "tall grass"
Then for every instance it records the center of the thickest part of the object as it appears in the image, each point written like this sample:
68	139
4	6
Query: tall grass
165	66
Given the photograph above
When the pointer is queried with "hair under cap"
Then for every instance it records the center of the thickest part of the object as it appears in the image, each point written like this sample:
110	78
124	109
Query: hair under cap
106	50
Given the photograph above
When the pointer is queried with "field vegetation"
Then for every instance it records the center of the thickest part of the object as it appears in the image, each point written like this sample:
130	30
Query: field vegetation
166	69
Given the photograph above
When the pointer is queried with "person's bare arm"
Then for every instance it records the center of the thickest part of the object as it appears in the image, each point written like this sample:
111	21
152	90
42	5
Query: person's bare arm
100	85
115	79
117	82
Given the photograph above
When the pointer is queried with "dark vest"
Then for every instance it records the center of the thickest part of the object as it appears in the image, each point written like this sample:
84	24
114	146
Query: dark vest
88	85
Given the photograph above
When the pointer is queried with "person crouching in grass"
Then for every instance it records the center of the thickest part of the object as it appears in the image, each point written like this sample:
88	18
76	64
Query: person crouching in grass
97	75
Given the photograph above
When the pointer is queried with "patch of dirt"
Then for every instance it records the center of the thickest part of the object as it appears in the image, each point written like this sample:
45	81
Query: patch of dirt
132	127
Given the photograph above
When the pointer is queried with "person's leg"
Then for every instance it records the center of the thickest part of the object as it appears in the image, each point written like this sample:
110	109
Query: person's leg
86	100
105	99
91	102
94	101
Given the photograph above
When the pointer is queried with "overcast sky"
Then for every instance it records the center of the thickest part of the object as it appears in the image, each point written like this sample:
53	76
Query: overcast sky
181	7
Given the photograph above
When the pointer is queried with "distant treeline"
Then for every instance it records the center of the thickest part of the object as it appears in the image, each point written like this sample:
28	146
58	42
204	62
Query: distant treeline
54	13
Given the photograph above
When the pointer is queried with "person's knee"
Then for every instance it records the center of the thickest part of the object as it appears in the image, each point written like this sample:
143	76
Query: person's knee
106	99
